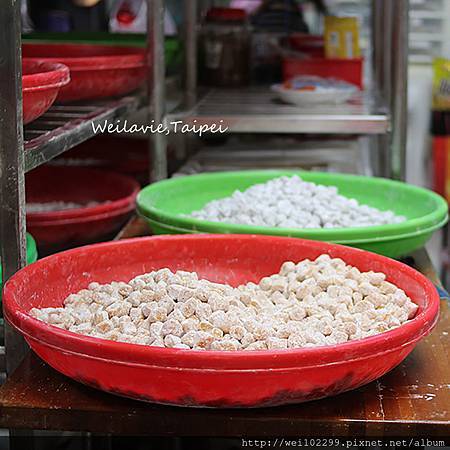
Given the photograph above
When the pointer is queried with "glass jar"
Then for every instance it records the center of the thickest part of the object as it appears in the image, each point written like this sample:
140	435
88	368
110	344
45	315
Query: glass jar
225	48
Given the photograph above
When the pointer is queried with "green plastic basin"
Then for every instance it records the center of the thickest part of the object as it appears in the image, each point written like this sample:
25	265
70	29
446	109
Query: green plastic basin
165	203
31	257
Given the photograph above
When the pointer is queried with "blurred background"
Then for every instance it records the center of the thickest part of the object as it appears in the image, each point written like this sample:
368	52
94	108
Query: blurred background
279	30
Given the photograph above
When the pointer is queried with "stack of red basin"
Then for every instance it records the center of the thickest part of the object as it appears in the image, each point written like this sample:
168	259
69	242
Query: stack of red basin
102	203
41	83
96	71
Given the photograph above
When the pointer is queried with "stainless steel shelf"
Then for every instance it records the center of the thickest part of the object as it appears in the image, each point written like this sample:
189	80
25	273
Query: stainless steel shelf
343	156
257	110
64	126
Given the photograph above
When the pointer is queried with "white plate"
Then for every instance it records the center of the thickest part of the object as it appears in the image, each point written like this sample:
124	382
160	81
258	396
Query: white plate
300	98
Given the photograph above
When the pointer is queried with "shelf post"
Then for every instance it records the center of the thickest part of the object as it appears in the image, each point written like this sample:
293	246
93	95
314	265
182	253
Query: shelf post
12	180
156	88
382	28
390	21
377	43
399	90
381	33
190	54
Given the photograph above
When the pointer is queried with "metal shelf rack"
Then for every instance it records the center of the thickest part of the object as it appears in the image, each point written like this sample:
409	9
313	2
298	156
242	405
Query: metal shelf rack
58	130
256	110
253	110
63	127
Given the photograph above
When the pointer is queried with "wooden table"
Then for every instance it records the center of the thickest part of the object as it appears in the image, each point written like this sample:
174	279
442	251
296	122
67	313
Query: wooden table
411	400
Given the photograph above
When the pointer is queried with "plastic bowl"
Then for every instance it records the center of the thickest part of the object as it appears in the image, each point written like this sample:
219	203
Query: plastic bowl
60	235
394	247
112	191
165	203
97	71
41	82
57	230
209	378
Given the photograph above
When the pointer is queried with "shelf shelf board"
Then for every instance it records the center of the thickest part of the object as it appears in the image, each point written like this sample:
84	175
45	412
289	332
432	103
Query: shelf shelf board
426	14
257	110
65	126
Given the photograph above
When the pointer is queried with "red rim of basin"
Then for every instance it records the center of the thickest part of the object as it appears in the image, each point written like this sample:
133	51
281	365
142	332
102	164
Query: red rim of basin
38	75
81	57
127	184
132	354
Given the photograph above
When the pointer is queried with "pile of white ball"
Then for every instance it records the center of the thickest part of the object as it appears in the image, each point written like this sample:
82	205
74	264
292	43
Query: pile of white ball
312	303
290	202
34	207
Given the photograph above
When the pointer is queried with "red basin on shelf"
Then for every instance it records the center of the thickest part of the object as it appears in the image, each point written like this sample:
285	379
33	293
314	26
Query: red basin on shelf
114	193
312	45
97	71
53	236
209	378
41	82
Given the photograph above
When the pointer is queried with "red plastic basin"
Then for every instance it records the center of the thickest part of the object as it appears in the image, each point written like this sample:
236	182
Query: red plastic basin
53	236
97	71
115	193
349	70
112	191
41	82
209	378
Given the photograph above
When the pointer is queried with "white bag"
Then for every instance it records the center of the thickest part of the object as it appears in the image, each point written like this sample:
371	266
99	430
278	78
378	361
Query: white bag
130	16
